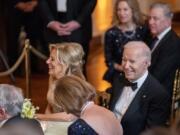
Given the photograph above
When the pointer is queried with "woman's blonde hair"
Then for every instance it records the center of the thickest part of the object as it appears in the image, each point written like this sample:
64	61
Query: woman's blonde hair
70	54
71	93
136	13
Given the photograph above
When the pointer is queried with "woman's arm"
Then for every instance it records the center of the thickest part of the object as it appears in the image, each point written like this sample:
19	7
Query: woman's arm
48	109
49	115
118	67
62	116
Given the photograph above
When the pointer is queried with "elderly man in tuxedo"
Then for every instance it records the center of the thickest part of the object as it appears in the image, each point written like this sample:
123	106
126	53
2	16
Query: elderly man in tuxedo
138	100
166	46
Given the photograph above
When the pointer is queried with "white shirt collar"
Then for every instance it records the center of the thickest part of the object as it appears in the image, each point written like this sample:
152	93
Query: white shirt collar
141	80
162	34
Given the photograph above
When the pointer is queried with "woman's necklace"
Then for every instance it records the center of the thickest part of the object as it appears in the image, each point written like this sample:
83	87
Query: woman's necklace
85	106
129	34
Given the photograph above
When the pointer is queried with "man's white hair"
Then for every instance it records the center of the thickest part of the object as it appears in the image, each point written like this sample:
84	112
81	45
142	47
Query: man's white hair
11	99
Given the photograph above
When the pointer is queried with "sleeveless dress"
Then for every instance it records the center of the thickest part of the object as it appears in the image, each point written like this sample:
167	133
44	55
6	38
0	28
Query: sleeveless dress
80	127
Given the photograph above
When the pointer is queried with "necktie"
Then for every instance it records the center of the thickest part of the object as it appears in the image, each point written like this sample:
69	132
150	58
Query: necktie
153	42
131	84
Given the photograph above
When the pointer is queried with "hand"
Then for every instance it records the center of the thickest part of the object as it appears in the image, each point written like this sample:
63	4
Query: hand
30	6
71	26
68	117
118	67
21	6
55	26
26	6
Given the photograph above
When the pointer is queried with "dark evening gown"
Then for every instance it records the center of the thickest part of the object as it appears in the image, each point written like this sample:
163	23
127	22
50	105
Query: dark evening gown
80	127
115	40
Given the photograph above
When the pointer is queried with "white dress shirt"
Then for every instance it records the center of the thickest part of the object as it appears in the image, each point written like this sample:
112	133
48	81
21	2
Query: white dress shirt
127	97
61	5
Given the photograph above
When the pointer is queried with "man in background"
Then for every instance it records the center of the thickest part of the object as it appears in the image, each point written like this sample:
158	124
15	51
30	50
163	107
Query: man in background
68	21
165	47
22	15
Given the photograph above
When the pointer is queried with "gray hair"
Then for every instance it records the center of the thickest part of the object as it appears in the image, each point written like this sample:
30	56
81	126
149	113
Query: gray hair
140	45
11	99
166	8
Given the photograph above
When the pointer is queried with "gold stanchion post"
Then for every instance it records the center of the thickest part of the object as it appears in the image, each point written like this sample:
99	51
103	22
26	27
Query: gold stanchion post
27	68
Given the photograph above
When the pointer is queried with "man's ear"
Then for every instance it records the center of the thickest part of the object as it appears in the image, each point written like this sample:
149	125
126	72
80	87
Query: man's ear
2	114
147	63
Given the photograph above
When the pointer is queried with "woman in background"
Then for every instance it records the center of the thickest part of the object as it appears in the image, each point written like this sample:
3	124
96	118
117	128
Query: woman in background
76	96
128	25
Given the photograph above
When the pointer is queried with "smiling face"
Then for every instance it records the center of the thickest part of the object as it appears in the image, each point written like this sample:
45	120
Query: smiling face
124	12
158	22
134	62
56	67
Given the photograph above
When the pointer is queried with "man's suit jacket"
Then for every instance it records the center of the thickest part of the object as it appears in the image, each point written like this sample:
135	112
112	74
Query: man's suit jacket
78	10
150	106
166	59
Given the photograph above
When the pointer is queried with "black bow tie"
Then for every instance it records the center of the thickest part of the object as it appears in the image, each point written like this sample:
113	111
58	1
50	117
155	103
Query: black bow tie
131	84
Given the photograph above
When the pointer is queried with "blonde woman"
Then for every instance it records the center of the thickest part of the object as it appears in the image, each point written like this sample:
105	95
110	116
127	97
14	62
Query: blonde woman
65	59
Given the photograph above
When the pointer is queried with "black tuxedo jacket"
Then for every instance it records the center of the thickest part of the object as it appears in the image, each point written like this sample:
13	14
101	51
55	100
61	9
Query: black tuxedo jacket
78	10
166	59
150	106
